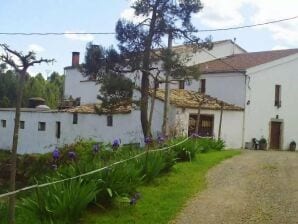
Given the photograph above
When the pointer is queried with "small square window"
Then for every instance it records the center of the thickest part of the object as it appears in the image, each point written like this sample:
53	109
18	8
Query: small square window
41	126
22	124
3	123
75	118
110	120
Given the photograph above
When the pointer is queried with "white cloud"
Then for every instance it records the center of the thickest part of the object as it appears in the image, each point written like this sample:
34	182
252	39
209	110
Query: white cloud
221	13
36	48
229	13
80	37
128	14
284	33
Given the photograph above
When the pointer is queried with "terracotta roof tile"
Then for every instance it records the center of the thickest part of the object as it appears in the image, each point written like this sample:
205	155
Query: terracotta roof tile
191	99
241	62
122	108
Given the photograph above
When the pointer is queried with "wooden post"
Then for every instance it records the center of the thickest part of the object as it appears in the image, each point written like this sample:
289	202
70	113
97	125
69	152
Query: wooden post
220	120
199	115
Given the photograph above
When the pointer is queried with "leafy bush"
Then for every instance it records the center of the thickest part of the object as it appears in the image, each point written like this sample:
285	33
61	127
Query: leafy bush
119	180
185	151
209	144
59	203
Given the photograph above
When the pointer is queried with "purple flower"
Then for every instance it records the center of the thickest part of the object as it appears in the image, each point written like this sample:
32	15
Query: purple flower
116	143
56	154
160	139
71	155
96	148
135	198
148	140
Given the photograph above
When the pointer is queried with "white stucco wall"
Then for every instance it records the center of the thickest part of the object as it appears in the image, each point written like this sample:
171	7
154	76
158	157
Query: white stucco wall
231	129
76	85
219	50
229	87
261	95
90	126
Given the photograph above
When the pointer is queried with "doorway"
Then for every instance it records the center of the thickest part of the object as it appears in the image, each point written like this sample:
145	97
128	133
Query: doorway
275	135
206	125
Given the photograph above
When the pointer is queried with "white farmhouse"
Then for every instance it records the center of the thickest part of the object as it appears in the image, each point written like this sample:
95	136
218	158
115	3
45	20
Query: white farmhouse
86	89
264	84
242	96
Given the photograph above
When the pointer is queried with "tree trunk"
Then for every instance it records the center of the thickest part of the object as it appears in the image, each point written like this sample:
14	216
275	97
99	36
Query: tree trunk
165	125
152	106
144	104
145	84
13	159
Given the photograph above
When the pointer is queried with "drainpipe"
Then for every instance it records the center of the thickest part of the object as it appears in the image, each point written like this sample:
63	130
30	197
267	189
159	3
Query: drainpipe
243	121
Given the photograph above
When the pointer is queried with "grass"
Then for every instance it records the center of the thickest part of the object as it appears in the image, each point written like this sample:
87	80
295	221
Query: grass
161	201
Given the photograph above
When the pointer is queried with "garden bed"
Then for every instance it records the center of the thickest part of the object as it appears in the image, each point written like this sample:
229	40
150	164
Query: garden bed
117	187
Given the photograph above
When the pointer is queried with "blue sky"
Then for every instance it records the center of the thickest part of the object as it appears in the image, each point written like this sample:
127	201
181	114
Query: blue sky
101	16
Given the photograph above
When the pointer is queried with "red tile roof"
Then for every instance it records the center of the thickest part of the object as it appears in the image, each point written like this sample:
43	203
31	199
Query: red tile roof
191	99
241	62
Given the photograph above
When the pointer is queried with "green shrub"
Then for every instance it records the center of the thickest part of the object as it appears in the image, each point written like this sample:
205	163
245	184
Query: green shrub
185	151
119	180
59	203
151	165
209	144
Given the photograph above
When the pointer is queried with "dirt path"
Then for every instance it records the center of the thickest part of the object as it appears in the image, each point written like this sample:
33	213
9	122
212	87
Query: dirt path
255	187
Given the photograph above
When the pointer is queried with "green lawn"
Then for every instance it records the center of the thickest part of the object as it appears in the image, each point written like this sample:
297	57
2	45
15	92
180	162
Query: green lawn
161	201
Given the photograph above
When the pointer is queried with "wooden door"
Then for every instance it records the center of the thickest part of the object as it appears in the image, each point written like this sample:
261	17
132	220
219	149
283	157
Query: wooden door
206	124
275	135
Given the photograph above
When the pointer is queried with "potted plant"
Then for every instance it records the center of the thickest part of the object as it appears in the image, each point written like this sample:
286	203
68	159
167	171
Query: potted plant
263	144
292	146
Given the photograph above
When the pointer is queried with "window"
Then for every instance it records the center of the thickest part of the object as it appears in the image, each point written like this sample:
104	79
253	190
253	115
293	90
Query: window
277	100
41	126
3	123
181	84
58	129
110	120
203	85
22	124
75	118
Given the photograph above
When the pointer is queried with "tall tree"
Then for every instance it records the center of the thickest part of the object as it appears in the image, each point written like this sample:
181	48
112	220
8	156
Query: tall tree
137	40
20	64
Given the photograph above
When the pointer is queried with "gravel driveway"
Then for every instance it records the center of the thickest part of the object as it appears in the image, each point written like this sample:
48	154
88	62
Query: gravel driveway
255	187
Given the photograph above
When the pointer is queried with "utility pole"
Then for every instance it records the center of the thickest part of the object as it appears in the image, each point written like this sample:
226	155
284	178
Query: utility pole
165	125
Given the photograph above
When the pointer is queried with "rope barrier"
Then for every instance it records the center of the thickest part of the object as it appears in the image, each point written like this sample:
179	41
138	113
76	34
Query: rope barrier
90	172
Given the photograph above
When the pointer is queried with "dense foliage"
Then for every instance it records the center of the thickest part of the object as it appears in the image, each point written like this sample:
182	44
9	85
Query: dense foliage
35	86
116	185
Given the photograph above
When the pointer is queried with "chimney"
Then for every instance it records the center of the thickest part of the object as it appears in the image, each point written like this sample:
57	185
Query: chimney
75	59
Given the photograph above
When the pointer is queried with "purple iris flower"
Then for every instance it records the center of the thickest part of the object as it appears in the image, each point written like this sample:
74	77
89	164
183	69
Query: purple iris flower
56	154
148	140
96	148
160	139
135	198
71	155
116	143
